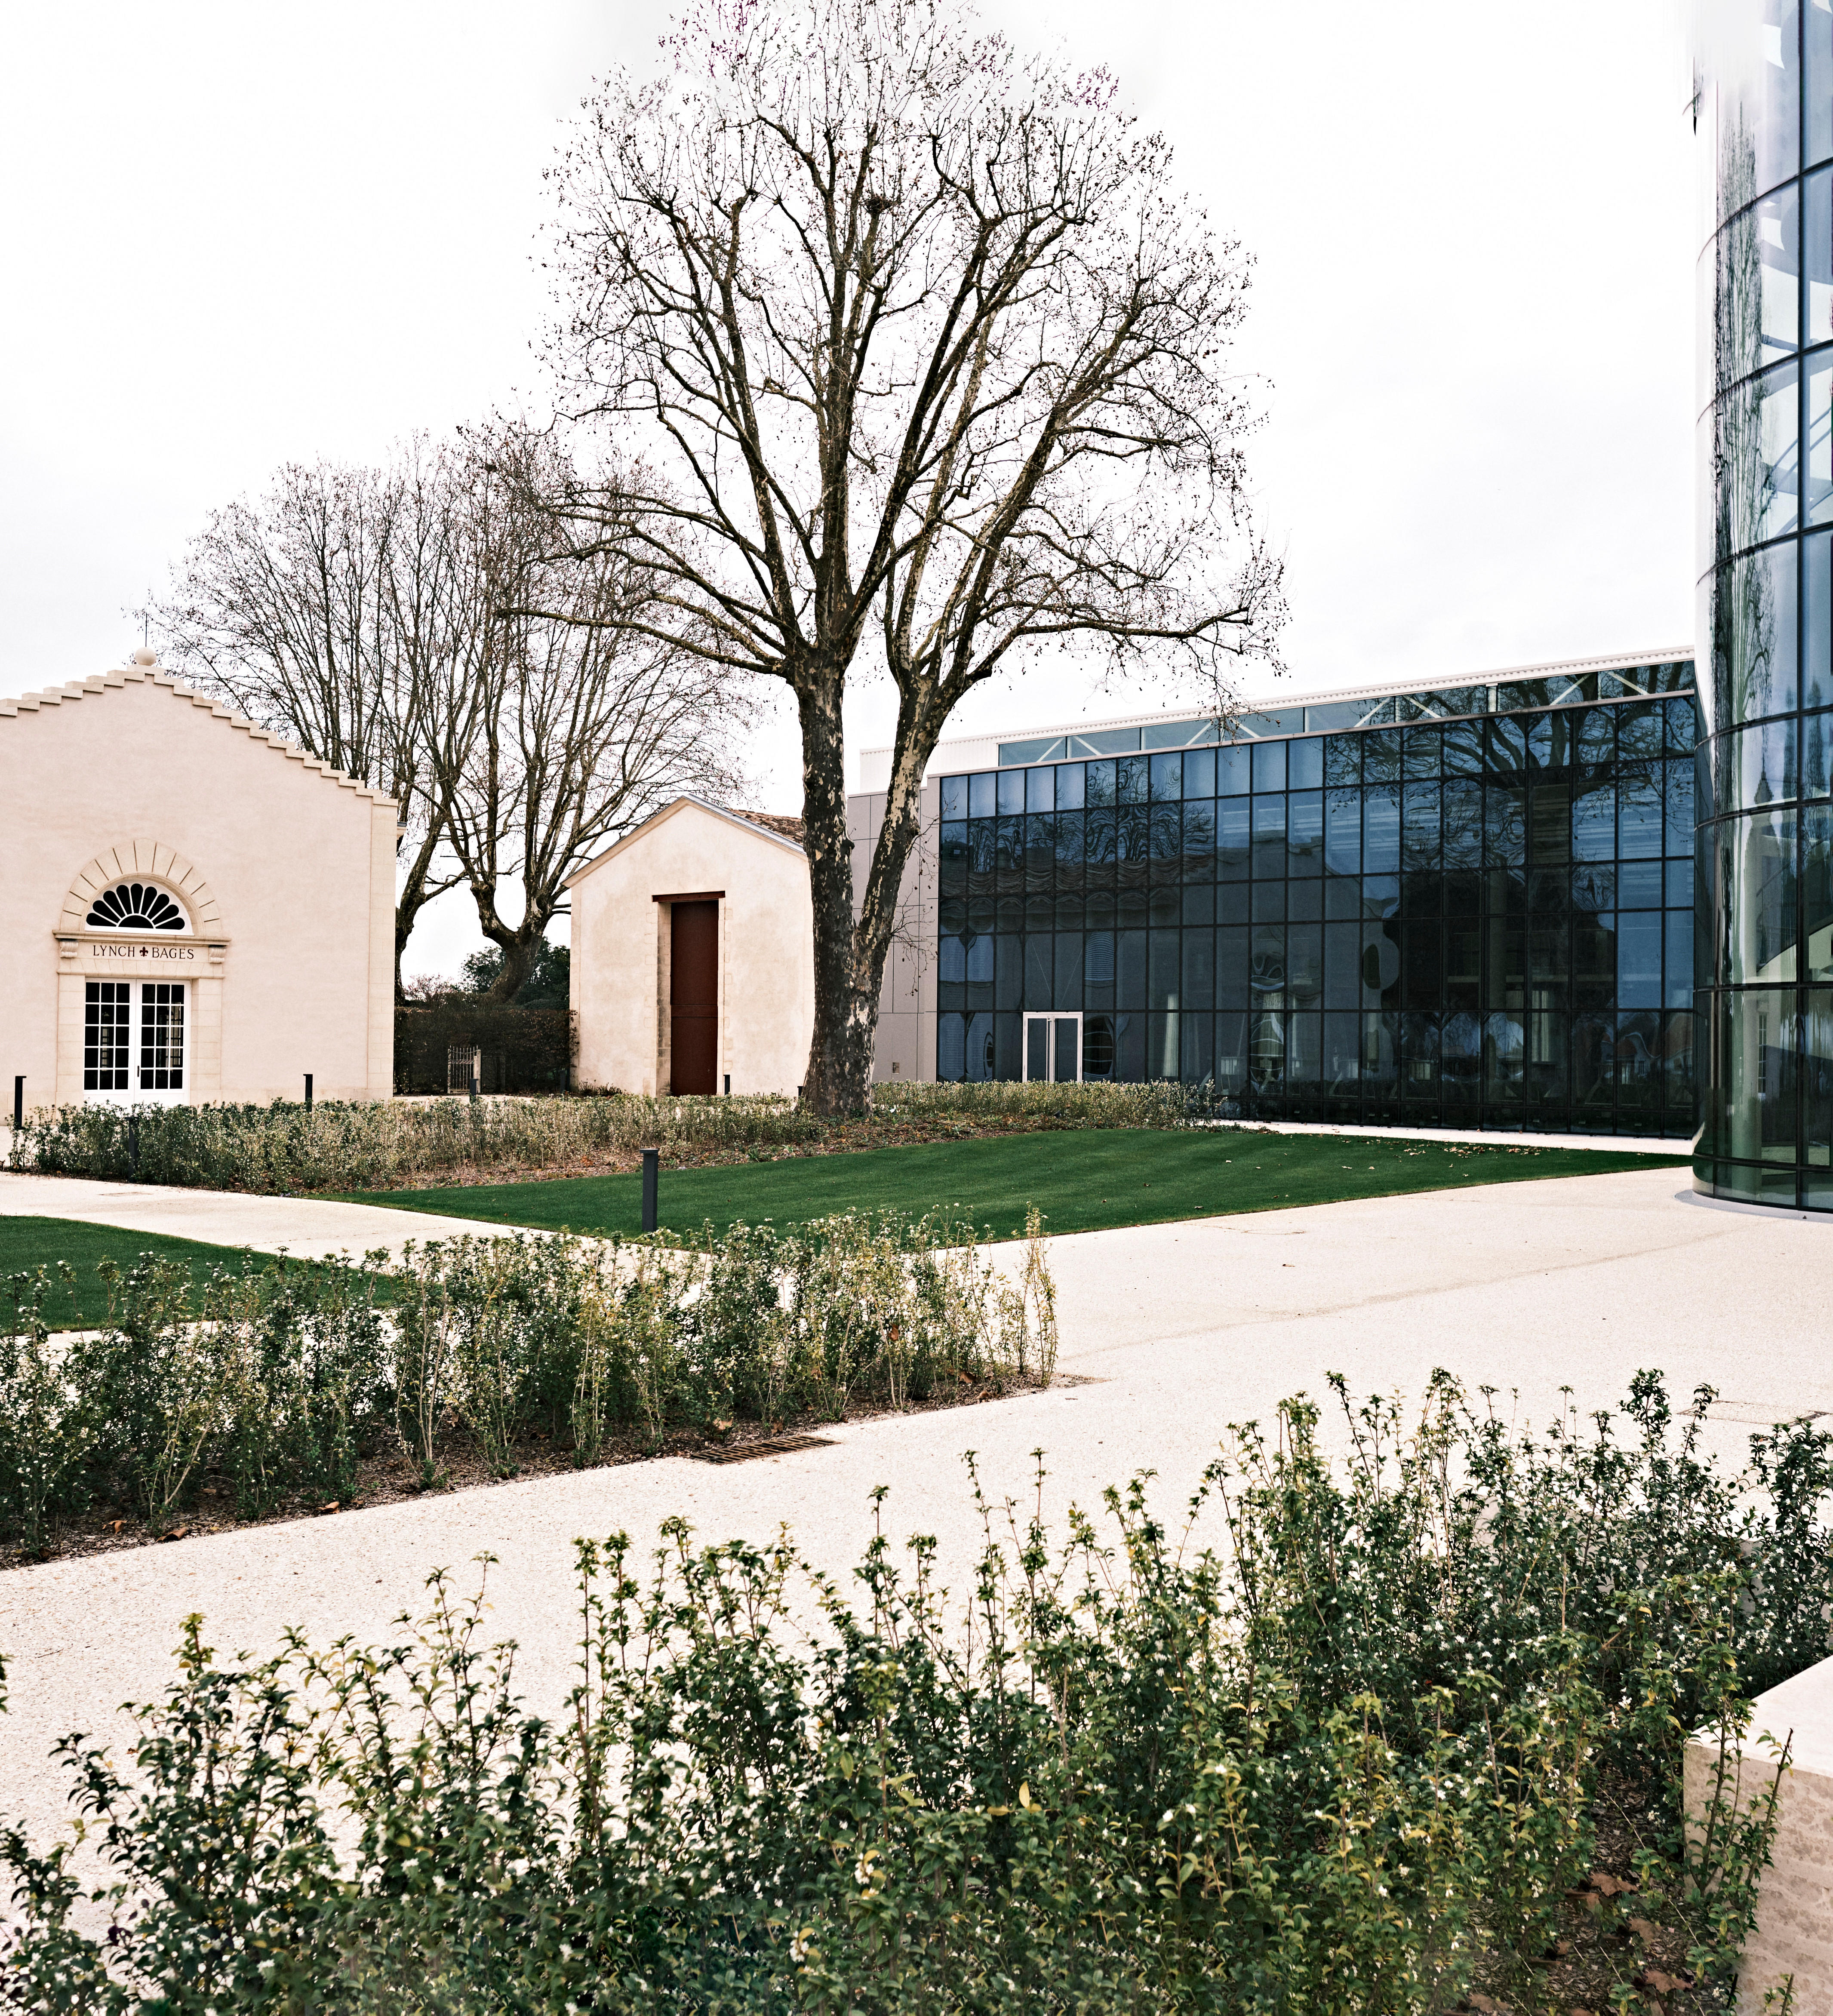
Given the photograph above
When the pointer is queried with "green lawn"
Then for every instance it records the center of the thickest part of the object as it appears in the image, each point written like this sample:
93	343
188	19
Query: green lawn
1081	1181
28	1244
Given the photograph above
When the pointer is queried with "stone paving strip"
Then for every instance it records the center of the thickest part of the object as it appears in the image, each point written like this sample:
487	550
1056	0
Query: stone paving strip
309	1228
1526	1287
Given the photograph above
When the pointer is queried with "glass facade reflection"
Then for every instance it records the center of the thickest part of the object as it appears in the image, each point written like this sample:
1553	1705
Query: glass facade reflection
1472	907
1765	861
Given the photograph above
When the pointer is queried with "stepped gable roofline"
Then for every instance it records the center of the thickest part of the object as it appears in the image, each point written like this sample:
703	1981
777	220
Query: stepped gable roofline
778	828
156	675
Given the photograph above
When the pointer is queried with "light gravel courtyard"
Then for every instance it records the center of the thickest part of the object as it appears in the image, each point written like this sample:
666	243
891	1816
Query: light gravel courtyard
1528	1287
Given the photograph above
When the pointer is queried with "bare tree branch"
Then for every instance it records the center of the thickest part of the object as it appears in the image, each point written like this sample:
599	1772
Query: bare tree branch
918	344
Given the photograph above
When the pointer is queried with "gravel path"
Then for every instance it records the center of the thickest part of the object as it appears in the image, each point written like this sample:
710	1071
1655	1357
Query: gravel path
1523	1286
311	1228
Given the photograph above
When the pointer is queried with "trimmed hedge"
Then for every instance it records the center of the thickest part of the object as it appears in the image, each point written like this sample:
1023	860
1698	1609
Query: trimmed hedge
1355	1767
523	1049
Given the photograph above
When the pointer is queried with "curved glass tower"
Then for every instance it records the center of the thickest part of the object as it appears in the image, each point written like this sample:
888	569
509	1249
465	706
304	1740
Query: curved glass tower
1764	880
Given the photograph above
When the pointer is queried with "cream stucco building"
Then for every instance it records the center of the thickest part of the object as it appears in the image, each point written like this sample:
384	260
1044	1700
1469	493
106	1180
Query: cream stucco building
193	909
692	955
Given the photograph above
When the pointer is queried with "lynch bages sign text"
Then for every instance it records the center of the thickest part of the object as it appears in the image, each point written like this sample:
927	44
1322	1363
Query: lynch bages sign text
142	955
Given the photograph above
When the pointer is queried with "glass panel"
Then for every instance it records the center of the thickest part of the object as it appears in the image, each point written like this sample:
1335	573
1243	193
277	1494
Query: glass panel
1757	1055
1817	890
1640	820
1233	771
1818	454
1134	780
1199	774
1380	830
1039	749
1067	1063
1780	398
1343	832
1594	824
1777	110
1270	837
1069	786
982	795
1305	833
1779	251
1755	897
1755	767
1815	1069
1304	765
1168	776
1639	936
1677	803
1037	1047
1677	932
1011	791
1817	35
1816	755
1040	790
977	1047
1269	766
1816	666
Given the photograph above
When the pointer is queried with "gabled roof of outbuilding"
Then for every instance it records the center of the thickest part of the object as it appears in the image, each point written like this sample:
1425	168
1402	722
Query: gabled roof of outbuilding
775	827
156	675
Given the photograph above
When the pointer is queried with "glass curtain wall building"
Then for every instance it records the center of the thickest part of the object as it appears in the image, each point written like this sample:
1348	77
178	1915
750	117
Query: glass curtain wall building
1764	117
1467	906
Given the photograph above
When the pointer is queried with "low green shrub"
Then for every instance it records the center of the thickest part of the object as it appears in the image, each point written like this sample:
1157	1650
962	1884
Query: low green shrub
1351	1764
276	1379
343	1145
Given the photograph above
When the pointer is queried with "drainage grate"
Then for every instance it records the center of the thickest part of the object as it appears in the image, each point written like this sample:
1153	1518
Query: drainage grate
767	1445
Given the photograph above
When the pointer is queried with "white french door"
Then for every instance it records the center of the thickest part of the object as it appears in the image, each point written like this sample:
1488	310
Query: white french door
134	1042
1052	1049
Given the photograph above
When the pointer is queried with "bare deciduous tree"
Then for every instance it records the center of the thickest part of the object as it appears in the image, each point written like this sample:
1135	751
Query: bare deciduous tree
923	350
408	625
331	611
590	721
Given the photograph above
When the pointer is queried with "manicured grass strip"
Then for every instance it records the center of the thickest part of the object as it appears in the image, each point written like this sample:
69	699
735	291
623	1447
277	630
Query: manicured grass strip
29	1244
1081	1181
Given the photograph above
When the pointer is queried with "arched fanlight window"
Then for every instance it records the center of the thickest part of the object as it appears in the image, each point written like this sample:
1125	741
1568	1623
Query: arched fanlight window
134	906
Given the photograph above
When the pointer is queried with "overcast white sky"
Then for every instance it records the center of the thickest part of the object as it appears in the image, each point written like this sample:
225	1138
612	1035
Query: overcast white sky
238	235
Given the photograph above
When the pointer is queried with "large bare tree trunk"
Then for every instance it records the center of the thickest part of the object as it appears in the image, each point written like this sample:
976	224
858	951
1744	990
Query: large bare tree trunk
846	985
895	326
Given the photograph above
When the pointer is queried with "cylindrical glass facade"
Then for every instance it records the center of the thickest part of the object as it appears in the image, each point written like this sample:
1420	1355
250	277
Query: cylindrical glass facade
1764	865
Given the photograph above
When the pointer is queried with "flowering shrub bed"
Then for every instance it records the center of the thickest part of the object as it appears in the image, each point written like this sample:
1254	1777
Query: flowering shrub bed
270	1386
1412	1744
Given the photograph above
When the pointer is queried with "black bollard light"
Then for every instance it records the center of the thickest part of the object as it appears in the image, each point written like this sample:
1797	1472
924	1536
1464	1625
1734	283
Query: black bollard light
308	1092
19	1102
651	1162
133	1148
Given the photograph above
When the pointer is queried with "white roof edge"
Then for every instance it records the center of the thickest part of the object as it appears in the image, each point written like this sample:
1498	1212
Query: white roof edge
1272	703
667	811
157	676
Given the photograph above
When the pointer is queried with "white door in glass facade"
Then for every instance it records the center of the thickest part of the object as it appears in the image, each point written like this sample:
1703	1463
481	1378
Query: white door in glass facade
1052	1049
135	1037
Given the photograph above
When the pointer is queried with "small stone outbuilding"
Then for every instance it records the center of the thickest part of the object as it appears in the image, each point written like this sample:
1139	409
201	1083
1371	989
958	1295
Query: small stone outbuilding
193	909
692	960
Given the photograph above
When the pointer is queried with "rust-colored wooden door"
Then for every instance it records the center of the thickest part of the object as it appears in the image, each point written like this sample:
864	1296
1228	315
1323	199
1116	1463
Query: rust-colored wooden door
693	996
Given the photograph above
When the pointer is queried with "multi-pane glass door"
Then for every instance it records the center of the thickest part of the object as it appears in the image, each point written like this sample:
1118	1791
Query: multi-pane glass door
1052	1048
133	1042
